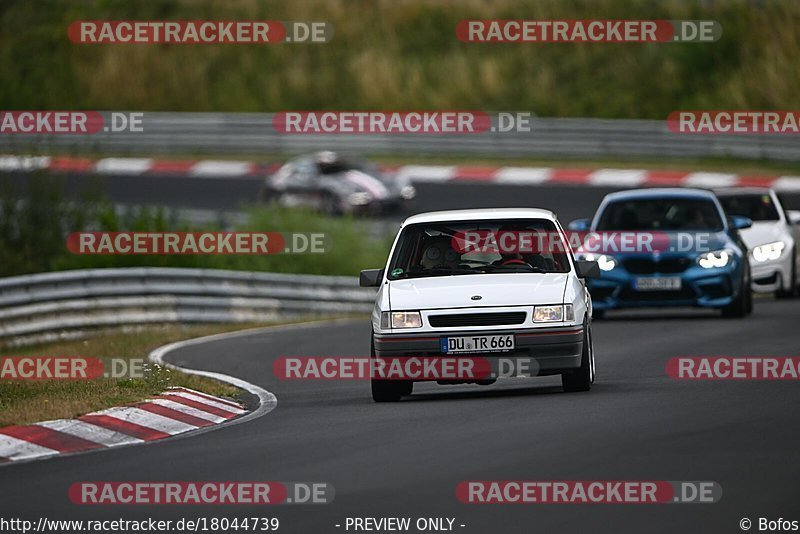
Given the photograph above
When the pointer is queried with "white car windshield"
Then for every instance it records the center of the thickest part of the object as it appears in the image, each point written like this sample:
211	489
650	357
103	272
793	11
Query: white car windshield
756	207
479	247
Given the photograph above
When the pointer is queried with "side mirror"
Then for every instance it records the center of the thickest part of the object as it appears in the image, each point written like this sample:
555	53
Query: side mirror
587	269
793	216
740	223
370	278
580	225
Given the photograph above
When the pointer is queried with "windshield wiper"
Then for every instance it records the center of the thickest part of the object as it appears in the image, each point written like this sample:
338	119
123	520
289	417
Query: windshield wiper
510	268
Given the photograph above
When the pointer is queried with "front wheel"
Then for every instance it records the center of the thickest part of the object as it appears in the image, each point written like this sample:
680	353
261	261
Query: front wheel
742	304
388	390
582	378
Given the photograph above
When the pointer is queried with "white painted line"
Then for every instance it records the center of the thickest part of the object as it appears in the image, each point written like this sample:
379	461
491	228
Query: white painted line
23	163
17	449
427	173
90	432
123	165
229	402
618	177
710	179
203	400
212	168
787	183
188	410
148	419
523	175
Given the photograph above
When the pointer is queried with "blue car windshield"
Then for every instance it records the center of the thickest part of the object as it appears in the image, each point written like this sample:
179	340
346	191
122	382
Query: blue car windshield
664	214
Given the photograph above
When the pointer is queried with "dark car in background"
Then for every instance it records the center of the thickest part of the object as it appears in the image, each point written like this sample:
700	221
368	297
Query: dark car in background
336	184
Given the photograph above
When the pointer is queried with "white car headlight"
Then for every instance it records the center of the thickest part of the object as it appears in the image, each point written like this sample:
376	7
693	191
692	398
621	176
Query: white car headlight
715	259
554	313
408	192
770	251
606	262
401	319
359	199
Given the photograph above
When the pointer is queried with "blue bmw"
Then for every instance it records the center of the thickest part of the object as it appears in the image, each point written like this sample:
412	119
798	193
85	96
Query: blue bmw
666	247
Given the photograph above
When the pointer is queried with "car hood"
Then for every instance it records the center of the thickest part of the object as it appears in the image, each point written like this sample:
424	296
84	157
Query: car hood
508	289
763	232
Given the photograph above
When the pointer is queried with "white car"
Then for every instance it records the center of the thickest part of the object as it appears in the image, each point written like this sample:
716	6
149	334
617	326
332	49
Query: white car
446	291
772	241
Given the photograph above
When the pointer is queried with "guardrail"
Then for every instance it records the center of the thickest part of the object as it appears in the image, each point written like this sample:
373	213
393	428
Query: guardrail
60	304
253	133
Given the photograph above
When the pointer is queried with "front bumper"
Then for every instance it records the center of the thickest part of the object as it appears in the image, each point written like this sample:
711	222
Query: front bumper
769	276
553	350
706	288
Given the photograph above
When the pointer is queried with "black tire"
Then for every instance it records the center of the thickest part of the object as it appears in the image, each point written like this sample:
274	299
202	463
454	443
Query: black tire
330	204
388	390
266	195
739	307
581	379
792	292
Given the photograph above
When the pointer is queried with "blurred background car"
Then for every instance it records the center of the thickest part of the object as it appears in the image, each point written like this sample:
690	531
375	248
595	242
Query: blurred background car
697	257
334	183
772	241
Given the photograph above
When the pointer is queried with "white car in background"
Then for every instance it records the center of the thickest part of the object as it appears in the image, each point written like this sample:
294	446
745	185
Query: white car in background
439	298
773	241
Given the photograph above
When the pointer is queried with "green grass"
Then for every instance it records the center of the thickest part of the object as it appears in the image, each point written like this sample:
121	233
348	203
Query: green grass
33	235
403	54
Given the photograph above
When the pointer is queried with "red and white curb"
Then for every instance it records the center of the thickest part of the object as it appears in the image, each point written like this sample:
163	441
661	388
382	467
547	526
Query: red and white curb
417	173
175	411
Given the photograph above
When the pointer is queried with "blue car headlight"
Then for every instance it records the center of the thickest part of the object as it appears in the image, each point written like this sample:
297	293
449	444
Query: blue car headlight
604	261
715	259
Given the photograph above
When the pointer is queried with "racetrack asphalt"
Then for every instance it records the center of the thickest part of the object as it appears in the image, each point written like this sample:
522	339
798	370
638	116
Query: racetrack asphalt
405	459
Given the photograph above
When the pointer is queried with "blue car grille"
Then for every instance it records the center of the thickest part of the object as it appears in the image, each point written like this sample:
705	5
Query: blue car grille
651	266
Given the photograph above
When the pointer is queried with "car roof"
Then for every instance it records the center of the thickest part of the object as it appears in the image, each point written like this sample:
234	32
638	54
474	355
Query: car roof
660	192
736	191
481	215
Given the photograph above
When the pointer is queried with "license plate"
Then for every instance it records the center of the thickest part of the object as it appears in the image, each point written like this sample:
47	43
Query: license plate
476	344
665	283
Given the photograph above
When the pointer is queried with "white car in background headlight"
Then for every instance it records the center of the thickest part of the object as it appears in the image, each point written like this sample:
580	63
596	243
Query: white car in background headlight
772	240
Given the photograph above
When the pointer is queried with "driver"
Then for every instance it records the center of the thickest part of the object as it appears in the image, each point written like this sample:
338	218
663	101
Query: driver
531	258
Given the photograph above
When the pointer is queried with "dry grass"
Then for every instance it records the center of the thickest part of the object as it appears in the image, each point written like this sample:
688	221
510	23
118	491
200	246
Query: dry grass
24	402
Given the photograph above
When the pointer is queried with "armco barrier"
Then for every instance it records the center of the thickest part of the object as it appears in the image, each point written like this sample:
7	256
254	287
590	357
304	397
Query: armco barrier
57	304
253	133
